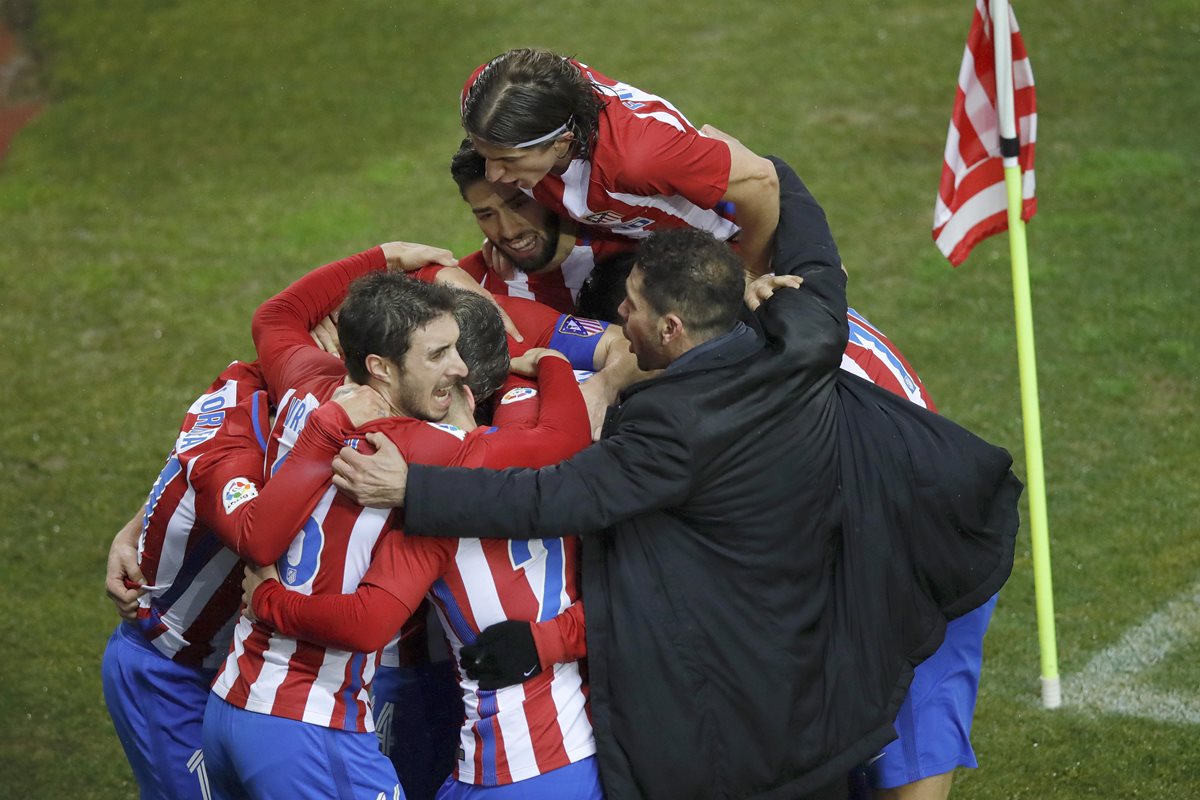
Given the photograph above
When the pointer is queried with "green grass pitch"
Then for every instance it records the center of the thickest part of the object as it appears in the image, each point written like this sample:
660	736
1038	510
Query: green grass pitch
196	157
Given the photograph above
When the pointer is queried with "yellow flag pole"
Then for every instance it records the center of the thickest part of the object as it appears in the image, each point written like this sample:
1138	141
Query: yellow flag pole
1026	359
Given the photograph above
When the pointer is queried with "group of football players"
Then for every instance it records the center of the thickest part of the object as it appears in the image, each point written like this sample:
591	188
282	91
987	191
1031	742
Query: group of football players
279	640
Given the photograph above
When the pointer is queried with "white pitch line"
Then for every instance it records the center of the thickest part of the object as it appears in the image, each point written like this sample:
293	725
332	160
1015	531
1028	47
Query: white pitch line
1111	681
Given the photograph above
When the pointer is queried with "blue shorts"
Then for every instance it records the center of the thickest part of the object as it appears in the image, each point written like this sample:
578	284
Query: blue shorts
418	715
934	722
260	756
157	707
578	781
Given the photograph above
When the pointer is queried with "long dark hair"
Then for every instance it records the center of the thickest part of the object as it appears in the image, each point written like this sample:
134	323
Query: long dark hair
525	94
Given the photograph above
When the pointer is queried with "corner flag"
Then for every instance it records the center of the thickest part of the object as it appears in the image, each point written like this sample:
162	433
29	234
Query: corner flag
987	187
972	201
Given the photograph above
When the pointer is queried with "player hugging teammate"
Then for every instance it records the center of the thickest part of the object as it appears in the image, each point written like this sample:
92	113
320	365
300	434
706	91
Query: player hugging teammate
271	623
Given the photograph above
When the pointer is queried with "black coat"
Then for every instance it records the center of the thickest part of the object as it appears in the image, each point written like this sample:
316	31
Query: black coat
753	605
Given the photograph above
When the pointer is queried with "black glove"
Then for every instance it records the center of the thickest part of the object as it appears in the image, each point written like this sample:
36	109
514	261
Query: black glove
503	655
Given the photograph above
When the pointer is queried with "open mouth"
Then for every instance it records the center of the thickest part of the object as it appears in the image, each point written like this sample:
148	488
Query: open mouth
523	245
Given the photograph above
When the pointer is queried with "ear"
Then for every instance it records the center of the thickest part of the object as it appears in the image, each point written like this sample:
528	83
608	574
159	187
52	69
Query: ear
563	144
380	368
672	328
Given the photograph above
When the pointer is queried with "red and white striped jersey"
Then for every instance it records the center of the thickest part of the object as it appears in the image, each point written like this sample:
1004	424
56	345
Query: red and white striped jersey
300	376
557	288
194	581
520	731
331	548
514	733
870	355
650	169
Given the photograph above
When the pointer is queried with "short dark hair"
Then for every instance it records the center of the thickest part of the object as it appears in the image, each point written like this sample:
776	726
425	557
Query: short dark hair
467	167
482	343
527	93
604	290
691	273
381	312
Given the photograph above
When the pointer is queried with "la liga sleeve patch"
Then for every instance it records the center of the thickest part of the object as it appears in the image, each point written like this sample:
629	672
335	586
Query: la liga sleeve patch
517	395
237	492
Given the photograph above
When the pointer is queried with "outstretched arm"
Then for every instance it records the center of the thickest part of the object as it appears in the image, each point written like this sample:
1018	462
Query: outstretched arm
261	530
283	324
644	466
400	574
561	429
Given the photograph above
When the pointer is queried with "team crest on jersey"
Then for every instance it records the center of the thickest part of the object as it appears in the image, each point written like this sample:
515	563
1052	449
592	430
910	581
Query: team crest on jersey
453	430
581	375
237	492
579	326
517	395
604	218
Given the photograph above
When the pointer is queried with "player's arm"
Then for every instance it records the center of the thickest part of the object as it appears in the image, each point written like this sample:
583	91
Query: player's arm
468	276
754	191
513	651
645	466
123	577
283	323
561	428
364	621
616	368
261	530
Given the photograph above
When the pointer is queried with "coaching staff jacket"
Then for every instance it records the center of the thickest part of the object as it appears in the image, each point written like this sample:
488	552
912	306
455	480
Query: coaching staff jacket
752	621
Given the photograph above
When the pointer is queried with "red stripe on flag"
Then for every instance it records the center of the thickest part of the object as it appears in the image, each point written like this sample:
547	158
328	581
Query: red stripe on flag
973	164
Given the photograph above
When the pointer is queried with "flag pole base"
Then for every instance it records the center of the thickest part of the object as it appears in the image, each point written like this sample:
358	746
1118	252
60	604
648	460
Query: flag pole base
1051	693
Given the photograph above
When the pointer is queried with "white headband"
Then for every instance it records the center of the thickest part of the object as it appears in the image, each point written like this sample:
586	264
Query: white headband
554	134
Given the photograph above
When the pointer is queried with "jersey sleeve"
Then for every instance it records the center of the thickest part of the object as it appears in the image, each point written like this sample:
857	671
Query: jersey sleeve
542	326
281	325
534	320
362	622
229	473
560	431
264	527
651	157
473	265
401	572
561	639
406	567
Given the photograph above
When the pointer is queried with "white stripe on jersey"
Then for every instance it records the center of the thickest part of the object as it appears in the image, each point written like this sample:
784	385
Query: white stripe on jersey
189	605
174	547
318	708
576	180
289	422
518	286
292	557
680	207
486	610
279	652
569	699
663	116
576	268
851	366
627	95
367	529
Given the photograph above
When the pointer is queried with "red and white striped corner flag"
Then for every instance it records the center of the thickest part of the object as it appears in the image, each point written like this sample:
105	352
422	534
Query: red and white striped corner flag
972	202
